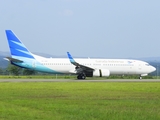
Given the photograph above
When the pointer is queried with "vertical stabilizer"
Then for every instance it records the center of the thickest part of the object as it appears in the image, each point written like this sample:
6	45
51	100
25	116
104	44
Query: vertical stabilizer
17	48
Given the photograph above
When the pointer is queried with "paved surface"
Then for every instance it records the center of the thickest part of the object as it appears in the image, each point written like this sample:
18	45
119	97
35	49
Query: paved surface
69	80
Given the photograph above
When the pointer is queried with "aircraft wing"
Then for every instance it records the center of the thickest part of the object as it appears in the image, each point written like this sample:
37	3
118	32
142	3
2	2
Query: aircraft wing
79	67
12	59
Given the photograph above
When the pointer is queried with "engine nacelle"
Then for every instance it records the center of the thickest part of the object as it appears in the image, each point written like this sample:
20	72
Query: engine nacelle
101	72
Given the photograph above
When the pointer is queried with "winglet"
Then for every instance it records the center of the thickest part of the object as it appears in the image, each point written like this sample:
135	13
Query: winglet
71	58
77	64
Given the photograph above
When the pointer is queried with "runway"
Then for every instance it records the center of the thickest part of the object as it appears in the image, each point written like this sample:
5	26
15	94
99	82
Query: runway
71	80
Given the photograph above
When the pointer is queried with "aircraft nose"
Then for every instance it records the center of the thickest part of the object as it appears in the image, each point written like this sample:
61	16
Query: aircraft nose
153	69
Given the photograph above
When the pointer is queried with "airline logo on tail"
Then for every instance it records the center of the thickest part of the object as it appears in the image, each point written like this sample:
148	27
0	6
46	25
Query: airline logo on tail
17	48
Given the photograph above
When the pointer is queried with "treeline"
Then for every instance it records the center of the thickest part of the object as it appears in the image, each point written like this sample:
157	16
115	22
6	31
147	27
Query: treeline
14	70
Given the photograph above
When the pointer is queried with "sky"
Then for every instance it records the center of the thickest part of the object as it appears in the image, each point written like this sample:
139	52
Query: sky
85	28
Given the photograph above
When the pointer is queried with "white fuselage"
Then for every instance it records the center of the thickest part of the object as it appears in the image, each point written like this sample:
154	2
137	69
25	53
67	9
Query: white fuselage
115	66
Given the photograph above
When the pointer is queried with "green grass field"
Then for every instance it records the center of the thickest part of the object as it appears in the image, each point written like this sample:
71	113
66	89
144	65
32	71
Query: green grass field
80	101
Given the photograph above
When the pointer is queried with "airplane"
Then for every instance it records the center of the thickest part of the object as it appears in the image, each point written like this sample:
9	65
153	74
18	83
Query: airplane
22	57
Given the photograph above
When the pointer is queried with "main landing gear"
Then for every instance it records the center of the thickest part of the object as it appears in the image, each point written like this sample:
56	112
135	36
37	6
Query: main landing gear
81	76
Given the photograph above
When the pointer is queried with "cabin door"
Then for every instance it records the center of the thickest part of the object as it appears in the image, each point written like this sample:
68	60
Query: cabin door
34	64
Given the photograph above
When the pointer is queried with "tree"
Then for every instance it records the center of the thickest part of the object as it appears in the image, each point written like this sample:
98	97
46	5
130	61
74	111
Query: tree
12	69
1	71
29	72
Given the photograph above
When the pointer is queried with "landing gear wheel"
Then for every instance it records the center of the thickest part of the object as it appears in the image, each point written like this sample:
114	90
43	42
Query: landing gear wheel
81	76
78	77
140	77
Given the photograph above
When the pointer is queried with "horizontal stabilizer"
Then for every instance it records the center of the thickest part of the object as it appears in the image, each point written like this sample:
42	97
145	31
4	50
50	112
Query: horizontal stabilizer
13	59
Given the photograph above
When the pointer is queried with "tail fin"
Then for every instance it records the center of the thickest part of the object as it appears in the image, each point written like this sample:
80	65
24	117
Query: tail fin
17	48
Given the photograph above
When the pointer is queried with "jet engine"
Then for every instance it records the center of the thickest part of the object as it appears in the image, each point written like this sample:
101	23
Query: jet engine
101	72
